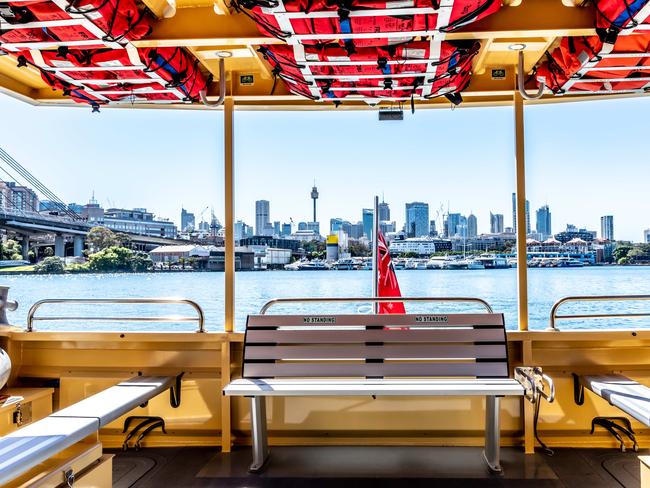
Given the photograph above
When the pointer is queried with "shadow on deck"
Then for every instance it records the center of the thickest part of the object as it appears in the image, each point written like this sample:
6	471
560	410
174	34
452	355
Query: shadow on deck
374	467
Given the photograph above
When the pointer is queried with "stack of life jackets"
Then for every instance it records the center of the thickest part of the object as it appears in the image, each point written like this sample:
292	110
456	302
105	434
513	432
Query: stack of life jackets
166	74
580	65
397	73
106	21
412	18
617	16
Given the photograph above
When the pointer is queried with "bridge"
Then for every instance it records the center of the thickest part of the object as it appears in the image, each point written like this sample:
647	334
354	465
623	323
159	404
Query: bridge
66	226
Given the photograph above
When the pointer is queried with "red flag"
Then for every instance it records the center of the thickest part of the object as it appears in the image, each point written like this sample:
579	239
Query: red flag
388	285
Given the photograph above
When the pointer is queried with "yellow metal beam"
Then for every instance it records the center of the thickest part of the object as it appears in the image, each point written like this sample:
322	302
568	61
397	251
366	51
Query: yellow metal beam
534	18
522	261
229	203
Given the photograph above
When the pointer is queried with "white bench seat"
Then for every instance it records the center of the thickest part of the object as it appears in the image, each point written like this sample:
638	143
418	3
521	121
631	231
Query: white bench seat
630	396
29	446
375	387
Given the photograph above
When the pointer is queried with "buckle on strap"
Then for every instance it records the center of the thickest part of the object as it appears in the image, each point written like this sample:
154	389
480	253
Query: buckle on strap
536	384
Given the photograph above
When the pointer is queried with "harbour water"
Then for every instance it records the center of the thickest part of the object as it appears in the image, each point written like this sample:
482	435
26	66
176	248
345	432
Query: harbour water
253	289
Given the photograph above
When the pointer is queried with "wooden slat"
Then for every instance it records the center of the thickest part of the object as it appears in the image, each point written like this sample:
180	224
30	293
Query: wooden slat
447	320
319	369
363	336
406	350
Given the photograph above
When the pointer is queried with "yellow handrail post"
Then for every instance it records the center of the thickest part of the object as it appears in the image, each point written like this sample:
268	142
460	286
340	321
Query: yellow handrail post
522	255
229	203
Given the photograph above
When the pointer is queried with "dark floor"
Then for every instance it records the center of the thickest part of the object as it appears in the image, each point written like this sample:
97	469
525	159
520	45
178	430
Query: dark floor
374	467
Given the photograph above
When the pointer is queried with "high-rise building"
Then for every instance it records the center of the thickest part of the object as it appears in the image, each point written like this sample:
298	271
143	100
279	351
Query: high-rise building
241	230
315	226
607	227
335	224
432	228
286	230
417	219
384	212
188	221
452	224
543	223
646	236
314	197
277	228
18	197
514	214
472	226
356	230
262	216
268	230
367	219
496	223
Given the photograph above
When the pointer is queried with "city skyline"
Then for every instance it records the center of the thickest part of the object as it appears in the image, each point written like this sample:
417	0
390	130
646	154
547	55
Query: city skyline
278	156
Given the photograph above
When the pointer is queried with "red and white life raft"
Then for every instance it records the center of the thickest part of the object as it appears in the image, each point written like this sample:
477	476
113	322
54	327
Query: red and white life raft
104	76
583	65
614	17
362	23
42	24
421	69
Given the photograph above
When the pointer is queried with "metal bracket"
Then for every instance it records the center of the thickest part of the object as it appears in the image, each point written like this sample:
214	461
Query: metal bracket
68	478
536	384
175	392
609	424
520	81
147	425
222	88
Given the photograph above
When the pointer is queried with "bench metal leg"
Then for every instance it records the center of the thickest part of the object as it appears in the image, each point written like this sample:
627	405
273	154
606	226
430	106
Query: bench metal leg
492	433
258	431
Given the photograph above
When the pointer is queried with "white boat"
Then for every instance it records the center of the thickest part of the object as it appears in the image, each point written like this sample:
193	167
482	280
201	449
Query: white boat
492	261
346	264
474	264
436	262
314	265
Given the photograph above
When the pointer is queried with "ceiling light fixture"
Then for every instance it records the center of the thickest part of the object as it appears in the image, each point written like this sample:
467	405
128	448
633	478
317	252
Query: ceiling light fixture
517	47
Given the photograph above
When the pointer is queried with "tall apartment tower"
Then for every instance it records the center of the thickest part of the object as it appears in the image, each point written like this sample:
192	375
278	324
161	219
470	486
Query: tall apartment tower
514	214
543	226
607	227
262	216
496	223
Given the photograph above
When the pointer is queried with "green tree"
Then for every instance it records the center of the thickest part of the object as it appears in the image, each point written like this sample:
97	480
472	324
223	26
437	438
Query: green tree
621	251
48	251
358	250
140	262
12	250
119	259
50	265
100	238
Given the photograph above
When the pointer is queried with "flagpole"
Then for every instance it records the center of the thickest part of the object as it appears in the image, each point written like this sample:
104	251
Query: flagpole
375	254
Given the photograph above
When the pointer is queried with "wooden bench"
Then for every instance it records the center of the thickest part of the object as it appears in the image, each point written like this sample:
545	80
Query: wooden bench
628	395
375	355
29	446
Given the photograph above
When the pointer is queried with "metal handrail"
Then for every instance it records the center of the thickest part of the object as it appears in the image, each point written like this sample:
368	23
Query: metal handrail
595	298
200	317
278	301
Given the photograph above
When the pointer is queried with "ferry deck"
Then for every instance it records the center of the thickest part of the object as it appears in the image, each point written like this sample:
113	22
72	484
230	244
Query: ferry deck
361	440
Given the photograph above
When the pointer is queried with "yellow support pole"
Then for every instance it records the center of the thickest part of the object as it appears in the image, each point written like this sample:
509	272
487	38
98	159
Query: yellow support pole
229	204
522	255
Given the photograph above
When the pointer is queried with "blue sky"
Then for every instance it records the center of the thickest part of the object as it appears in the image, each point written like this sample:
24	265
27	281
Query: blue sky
583	159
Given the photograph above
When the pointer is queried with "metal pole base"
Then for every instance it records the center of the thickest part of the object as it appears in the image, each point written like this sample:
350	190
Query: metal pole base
491	453
259	434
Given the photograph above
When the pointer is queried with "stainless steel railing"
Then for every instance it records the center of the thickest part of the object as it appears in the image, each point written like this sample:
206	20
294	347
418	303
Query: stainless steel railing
595	298
280	301
199	318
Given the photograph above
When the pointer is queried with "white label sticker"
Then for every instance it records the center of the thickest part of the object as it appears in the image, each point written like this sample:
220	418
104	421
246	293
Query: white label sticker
110	64
400	4
311	57
414	53
338	59
61	64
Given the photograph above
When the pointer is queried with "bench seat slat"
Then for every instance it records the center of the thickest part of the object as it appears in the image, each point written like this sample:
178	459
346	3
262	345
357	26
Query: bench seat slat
367	387
405	350
360	336
117	400
622	392
448	320
35	443
321	369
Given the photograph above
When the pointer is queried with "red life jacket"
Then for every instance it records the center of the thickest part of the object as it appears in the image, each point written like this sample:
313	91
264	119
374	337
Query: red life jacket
561	70
116	21
614	16
160	74
317	72
345	19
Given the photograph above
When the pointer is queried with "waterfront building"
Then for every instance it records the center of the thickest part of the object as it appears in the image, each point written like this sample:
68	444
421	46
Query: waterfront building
384	211
173	254
265	242
262	215
496	223
188	221
367	219
472	226
514	214
607	227
572	232
306	235
332	247
244	259
543	222
422	246
417	219
138	221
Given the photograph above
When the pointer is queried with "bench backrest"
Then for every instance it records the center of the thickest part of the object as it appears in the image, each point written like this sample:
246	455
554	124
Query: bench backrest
408	345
